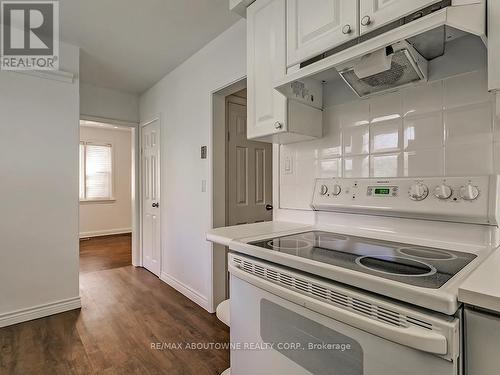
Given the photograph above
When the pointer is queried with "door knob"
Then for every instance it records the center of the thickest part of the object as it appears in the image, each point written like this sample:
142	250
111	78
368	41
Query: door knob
269	207
278	125
346	29
156	205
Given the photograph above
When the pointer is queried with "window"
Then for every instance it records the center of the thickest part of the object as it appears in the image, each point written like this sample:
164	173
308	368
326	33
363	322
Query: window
96	171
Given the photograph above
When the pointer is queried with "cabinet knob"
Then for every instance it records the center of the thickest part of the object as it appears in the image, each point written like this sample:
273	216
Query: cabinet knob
278	125
366	20
346	29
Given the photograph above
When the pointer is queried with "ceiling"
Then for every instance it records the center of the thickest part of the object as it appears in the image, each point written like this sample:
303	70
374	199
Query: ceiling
129	45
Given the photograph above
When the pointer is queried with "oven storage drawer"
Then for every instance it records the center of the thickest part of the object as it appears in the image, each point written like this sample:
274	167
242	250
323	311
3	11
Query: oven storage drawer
272	335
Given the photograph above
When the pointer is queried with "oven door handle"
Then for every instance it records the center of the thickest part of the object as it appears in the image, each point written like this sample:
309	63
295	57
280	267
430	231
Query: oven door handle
413	337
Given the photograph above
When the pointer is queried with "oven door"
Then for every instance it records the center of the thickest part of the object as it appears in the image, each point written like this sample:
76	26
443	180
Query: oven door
270	334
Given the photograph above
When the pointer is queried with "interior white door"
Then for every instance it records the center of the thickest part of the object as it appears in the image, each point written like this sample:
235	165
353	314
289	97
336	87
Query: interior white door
315	26
266	62
249	172
151	239
376	13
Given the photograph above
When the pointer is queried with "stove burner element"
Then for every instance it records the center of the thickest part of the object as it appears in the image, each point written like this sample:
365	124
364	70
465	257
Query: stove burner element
410	264
427	254
289	244
395	265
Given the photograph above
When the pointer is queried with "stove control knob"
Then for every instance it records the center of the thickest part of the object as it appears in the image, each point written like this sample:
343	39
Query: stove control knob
469	192
443	191
323	189
418	192
336	190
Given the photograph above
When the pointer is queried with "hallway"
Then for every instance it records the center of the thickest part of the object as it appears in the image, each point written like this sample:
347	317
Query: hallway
125	311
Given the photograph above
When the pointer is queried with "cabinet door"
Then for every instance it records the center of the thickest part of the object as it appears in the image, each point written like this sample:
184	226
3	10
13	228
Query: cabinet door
376	13
315	26
266	63
482	333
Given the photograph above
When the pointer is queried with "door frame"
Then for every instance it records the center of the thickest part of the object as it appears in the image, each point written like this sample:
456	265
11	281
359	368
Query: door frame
217	209
139	255
217	186
135	184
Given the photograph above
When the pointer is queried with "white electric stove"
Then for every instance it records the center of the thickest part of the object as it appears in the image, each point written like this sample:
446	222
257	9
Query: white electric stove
378	271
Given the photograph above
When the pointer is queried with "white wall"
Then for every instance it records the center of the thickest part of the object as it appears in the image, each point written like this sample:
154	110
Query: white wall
183	98
39	131
101	218
108	104
445	128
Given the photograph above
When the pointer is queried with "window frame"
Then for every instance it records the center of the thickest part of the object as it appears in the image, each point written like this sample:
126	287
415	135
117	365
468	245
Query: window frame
84	174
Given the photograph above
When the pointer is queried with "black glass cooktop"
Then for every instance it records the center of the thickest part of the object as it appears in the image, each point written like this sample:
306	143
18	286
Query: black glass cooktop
420	266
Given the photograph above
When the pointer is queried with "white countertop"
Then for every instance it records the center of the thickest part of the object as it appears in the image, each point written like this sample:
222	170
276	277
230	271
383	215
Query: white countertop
225	235
482	287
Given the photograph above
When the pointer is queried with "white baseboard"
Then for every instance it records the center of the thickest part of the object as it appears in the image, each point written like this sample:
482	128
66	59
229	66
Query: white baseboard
190	293
40	311
106	232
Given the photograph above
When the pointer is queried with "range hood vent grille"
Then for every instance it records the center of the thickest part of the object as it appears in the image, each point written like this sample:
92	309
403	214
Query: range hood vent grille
406	68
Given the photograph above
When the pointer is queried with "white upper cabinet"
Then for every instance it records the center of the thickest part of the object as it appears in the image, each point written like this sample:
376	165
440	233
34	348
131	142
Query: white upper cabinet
376	13
266	63
315	26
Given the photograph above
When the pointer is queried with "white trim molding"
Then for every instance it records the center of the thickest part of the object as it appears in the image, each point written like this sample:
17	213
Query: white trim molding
105	232
189	292
40	311
54	75
105	120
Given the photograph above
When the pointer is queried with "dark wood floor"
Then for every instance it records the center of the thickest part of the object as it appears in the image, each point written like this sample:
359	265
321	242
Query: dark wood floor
125	311
103	253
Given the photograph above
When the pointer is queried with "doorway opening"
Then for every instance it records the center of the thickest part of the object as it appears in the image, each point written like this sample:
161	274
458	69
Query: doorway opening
106	200
242	176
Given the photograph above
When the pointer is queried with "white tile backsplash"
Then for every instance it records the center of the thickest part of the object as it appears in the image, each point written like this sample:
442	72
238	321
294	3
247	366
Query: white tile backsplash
437	129
423	98
330	168
386	136
471	159
386	107
356	140
469	124
424	162
423	131
386	165
357	166
466	89
354	113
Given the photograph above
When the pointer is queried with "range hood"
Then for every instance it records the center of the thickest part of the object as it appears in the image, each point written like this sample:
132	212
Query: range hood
388	68
447	42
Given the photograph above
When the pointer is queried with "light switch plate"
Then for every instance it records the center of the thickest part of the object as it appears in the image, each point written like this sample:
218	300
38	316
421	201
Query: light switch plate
288	165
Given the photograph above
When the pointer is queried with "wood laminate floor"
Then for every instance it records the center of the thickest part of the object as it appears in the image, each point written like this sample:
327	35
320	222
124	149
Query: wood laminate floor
103	253
126	311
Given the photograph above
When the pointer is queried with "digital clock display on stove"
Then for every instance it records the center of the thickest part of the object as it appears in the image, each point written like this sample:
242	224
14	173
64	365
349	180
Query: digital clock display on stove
382	191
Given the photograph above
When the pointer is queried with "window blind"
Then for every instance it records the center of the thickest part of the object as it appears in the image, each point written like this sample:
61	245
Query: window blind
96	182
